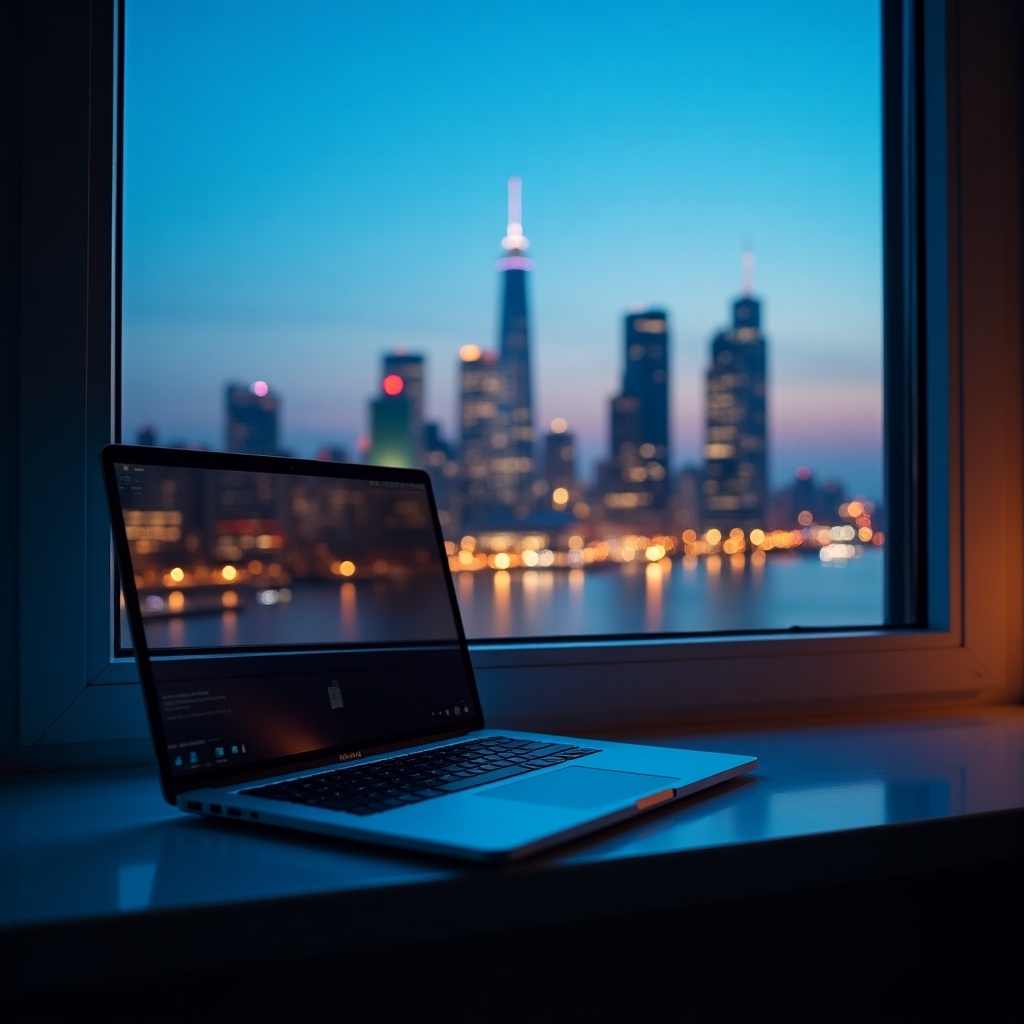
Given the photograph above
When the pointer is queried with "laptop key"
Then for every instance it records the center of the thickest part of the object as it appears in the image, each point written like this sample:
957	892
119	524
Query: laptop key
480	780
381	786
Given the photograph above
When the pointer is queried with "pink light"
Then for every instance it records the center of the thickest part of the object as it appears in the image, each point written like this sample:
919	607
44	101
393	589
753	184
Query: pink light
260	388
803	473
393	384
514	263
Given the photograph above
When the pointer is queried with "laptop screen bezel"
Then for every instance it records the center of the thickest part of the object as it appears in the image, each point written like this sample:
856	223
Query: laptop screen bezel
188	662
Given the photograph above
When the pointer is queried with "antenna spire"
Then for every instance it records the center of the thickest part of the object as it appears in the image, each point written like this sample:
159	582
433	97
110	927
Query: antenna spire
747	262
515	240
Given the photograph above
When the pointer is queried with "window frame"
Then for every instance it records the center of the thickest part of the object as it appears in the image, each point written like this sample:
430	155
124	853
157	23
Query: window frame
960	437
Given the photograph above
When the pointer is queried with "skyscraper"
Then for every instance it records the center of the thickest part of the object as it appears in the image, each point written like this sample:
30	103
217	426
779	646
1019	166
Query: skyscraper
735	489
391	433
636	476
251	419
512	465
559	466
409	369
480	394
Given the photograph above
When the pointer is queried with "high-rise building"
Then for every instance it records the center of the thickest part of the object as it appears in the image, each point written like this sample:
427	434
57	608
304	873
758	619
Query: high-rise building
636	477
559	466
409	368
439	461
512	464
391	428
480	394
735	489
251	419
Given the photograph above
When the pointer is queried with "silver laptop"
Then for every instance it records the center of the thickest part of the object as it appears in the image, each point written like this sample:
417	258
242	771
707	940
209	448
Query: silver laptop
304	665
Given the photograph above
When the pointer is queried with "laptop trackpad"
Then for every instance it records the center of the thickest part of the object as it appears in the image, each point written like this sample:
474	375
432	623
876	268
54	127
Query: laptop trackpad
580	787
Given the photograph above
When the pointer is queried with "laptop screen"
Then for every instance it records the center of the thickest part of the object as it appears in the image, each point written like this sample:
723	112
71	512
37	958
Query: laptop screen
288	610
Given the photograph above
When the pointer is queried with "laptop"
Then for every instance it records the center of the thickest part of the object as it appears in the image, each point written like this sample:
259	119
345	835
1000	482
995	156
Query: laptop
304	666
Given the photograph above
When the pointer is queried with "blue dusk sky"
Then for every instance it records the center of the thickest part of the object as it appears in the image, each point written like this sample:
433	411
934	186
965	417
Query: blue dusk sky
309	184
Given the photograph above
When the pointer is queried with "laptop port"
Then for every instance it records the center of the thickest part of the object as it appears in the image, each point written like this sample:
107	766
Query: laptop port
194	805
215	808
234	812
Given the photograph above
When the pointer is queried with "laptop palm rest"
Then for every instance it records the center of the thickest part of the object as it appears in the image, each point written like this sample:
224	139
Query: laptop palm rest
578	786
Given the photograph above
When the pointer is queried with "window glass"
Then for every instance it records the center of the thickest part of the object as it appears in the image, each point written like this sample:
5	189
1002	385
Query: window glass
611	272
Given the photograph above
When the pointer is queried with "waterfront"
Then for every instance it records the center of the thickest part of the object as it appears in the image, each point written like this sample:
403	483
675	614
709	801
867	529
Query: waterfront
714	594
682	595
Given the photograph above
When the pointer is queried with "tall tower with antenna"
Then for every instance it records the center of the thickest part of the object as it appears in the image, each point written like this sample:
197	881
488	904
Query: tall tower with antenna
512	472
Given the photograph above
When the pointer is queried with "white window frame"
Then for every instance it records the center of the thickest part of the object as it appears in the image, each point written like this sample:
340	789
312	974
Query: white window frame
71	703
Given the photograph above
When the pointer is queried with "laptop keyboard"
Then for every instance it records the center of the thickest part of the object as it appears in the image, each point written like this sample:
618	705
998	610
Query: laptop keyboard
409	778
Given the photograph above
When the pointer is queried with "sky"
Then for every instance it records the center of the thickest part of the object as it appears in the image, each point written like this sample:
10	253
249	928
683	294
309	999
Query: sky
310	184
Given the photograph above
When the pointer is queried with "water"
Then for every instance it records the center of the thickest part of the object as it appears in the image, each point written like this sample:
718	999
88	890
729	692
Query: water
710	594
681	596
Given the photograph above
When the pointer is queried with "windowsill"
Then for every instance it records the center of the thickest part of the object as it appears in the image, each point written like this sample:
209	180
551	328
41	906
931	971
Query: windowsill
96	867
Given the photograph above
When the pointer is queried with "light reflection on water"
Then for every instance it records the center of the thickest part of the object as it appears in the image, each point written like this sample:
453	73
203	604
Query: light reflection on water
695	595
686	595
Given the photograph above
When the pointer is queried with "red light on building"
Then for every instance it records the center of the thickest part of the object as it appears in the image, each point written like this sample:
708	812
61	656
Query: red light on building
393	384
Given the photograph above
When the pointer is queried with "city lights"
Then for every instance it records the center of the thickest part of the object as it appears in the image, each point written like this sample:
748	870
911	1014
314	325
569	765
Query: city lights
514	500
550	518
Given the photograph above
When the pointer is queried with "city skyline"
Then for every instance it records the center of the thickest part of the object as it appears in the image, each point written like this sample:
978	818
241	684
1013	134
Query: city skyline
631	487
251	418
298	271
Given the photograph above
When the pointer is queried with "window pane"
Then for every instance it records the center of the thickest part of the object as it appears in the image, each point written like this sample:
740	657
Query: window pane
611	272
